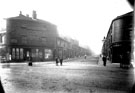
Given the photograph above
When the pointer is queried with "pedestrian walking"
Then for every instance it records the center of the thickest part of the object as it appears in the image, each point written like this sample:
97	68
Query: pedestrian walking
57	60
30	61
61	61
104	60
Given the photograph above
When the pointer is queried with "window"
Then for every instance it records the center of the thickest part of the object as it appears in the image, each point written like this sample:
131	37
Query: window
58	42
24	39
13	53
40	54
13	40
17	53
62	44
21	53
37	51
48	53
23	26
28	54
43	39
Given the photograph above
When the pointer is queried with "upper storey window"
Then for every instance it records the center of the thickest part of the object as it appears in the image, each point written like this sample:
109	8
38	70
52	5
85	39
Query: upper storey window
24	39
13	40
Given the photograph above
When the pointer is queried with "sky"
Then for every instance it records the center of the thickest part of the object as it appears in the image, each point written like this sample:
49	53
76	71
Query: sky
87	21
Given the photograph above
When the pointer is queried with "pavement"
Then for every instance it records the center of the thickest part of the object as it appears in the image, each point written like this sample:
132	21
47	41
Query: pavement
75	76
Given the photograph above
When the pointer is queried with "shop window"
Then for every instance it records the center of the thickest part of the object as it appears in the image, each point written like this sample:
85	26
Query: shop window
28	54
48	54
13	53
37	51
17	53
40	54
33	53
21	53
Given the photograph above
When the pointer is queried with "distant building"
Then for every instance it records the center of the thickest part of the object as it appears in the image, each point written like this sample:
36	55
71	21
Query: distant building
2	38
72	41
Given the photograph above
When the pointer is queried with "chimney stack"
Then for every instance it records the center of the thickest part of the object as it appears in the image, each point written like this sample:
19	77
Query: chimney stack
20	13
27	15
34	15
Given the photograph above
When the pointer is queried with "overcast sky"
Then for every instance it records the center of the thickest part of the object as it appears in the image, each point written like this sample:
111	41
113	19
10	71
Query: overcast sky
85	20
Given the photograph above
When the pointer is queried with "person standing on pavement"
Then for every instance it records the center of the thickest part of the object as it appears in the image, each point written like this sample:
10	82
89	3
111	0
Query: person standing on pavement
57	60
104	60
30	61
61	60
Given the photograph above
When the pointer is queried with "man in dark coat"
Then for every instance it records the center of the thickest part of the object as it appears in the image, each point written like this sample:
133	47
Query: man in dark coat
57	60
30	61
104	60
61	61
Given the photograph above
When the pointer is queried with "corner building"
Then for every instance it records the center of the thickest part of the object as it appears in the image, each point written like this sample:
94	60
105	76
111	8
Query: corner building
30	37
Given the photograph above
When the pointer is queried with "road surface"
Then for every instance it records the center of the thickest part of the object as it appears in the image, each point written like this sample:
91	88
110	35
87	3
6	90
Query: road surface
75	76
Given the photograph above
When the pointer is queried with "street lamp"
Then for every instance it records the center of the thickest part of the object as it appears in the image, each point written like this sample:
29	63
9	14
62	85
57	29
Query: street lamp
104	39
103	47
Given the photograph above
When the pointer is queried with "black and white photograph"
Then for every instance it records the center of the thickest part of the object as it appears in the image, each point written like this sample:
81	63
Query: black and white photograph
67	46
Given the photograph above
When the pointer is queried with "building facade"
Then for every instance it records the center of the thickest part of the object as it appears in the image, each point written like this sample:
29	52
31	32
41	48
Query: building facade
27	37
30	37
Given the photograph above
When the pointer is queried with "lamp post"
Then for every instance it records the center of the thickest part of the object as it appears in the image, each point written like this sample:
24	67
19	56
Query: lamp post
104	39
103	47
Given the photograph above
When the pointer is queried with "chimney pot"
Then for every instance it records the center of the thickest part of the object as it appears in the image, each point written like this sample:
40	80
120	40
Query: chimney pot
20	13
34	15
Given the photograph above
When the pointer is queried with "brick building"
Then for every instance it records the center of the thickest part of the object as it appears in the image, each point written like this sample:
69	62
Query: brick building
28	36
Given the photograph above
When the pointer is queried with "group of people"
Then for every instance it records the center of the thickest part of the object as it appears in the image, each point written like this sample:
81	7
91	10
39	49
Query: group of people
59	60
